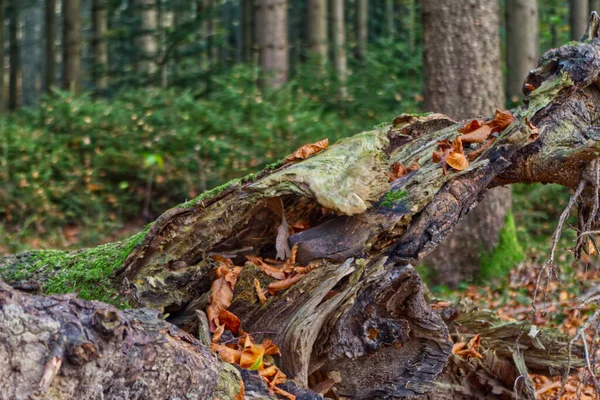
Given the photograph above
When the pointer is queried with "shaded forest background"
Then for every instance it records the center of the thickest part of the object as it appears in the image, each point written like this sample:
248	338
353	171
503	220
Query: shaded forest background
115	110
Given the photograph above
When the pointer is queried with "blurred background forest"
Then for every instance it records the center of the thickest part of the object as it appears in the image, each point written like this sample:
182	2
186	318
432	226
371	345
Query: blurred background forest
115	110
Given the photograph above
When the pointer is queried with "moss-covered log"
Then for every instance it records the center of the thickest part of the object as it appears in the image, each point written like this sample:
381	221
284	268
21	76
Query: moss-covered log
361	313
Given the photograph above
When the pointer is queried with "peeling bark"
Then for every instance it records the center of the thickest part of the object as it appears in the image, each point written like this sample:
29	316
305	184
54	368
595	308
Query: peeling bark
361	315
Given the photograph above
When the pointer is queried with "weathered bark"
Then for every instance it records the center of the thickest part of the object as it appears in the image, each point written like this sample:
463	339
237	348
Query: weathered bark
362	22
455	36
71	72
578	18
49	45
339	44
521	43
272	41
361	312
316	29
100	44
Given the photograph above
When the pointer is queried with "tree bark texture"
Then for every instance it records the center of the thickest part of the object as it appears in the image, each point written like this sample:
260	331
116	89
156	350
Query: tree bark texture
522	44
339	44
317	29
100	44
360	312
15	56
272	41
456	35
578	18
49	45
146	38
71	73
362	28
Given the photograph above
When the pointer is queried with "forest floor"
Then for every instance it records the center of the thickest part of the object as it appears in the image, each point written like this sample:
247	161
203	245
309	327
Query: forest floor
559	306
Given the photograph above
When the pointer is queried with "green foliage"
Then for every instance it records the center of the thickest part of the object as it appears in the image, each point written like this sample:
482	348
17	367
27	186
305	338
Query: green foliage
99	164
506	255
392	197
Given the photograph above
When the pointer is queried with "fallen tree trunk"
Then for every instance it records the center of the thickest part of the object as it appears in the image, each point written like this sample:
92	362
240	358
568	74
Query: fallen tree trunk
360	311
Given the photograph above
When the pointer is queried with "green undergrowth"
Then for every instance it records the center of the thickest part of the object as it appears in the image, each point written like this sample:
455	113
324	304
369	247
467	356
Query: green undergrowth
505	255
392	197
86	272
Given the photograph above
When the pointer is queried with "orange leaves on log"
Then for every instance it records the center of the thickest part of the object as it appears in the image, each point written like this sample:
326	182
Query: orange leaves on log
272	271
226	353
278	286
534	131
308	150
451	154
469	350
260	292
397	170
230	321
252	355
478	131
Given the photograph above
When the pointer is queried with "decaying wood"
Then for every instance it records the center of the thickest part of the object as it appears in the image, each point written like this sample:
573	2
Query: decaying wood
361	314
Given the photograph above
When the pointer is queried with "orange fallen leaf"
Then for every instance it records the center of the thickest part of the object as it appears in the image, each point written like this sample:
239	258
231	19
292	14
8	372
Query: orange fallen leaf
270	347
228	354
252	355
479	151
268	269
230	321
451	154
242	393
396	171
414	166
471	126
275	287
308	150
530	87
501	120
283	393
260	292
220	298
218	333
458	347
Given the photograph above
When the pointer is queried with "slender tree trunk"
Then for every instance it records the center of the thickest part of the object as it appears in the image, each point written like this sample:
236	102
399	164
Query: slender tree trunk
578	18
212	30
594	5
339	44
456	34
30	57
15	54
316	29
272	41
362	32
71	73
100	44
247	21
146	38
2	86
521	43
50	45
390	29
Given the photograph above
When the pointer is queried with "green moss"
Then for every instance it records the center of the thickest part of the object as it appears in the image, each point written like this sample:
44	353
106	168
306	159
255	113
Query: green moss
86	272
392	197
505	255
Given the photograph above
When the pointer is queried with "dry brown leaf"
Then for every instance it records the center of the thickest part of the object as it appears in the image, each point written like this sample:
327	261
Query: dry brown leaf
278	379
228	354
275	287
414	166
396	171
308	268
268	372
308	150
218	333
502	119
458	347
230	321
260	292
242	393
220	299
479	151
471	126
478	136
268	269
458	161
530	87
283	393
270	347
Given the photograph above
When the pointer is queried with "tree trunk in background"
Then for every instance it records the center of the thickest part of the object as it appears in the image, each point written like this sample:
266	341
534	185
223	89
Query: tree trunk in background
168	19
594	5
316	26
578	18
522	37
2	87
99	44
456	35
146	40
212	28
247	20
362	31
15	62
272	41
389	19
71	73
49	45
339	44
30	53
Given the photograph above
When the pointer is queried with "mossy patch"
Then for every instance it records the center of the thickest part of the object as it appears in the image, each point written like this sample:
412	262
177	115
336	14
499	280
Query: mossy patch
85	272
505	255
392	197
